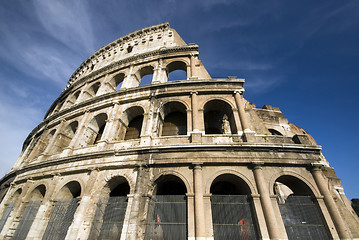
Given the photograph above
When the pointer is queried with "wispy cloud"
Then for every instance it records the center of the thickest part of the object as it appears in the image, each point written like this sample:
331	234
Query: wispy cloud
67	21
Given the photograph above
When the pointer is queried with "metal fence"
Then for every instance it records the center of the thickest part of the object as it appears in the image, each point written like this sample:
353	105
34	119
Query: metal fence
61	219
232	217
26	220
303	219
5	215
108	220
167	218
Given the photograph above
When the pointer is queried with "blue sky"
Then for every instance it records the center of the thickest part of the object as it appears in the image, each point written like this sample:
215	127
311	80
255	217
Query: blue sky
300	56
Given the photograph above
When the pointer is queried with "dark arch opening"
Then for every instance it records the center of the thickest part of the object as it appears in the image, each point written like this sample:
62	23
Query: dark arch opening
116	81
101	124
232	210
111	210
274	132
300	212
175	119
218	118
94	88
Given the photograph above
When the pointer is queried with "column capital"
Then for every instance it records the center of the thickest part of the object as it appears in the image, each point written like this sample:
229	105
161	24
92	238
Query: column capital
197	165
239	91
257	164
194	92
316	166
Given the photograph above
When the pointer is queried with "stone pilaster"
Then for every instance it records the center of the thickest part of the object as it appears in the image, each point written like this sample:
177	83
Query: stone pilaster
198	201
329	202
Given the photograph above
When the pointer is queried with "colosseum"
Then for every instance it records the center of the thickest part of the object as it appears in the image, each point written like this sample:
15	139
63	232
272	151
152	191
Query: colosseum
144	144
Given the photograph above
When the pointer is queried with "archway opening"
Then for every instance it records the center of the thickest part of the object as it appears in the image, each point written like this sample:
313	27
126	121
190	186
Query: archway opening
29	214
145	75
218	118
111	210
300	212
9	208
64	211
176	71
173	119
64	138
232	210
167	214
132	121
274	132
116	81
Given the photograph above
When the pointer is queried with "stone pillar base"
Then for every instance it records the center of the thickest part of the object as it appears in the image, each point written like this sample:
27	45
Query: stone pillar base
196	137
249	136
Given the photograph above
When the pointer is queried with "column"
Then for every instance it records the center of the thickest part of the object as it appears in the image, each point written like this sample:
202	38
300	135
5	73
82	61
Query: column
198	202
80	227
194	102
238	95
266	202
193	66
329	202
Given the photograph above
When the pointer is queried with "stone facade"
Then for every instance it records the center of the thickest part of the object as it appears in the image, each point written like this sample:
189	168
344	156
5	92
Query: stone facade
111	139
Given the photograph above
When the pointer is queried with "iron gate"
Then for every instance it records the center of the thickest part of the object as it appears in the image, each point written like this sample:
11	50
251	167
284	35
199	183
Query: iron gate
302	219
108	220
232	217
61	219
167	218
26	220
5	215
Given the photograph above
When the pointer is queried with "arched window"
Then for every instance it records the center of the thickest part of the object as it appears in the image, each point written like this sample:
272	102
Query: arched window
94	131
116	81
167	214
232	214
218	118
174	119
300	212
29	214
64	138
133	117
176	71
9	208
145	75
111	210
63	212
94	88
274	132
42	143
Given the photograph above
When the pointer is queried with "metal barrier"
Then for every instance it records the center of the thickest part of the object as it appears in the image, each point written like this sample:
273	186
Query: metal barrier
26	220
303	219
108	220
167	218
6	215
61	219
232	217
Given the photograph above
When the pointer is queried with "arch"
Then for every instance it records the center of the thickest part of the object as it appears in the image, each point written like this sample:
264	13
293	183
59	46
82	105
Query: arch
229	184
176	174
294	174
275	132
117	80
229	172
218	118
173	119
42	143
64	138
31	209
176	70
132	123
167	211
70	190
93	89
299	208
144	75
15	196
94	131
232	210
111	210
63	211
